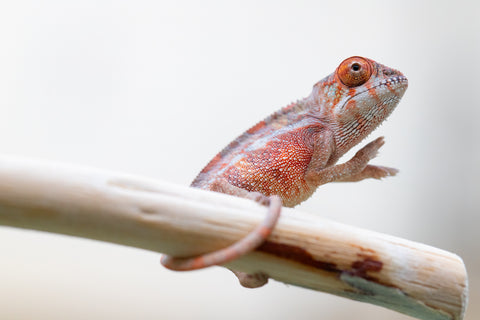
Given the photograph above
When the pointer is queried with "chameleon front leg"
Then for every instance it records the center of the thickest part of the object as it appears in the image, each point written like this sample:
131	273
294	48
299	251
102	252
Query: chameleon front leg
248	243
355	169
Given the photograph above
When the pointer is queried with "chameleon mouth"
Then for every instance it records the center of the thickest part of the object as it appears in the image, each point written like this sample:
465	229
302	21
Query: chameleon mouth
398	82
392	84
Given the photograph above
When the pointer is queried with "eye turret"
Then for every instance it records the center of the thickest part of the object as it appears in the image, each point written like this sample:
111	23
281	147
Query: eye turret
354	71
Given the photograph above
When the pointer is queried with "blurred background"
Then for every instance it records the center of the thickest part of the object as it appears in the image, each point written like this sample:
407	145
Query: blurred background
157	88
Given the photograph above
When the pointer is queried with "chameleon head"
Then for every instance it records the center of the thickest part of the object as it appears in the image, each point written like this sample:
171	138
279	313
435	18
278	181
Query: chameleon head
357	97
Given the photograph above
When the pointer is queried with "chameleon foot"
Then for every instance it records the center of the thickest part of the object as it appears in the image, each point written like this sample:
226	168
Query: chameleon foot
370	151
236	250
379	172
251	280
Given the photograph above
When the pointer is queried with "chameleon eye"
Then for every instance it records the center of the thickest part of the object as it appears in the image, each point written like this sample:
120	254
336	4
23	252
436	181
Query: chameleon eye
354	71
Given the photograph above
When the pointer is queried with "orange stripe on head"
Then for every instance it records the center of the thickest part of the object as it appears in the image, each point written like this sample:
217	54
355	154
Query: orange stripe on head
373	93
351	104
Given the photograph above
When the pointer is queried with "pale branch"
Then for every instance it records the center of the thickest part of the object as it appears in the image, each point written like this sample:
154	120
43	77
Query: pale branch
304	249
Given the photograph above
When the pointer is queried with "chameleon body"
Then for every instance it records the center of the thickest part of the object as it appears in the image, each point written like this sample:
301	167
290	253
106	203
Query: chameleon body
295	150
292	152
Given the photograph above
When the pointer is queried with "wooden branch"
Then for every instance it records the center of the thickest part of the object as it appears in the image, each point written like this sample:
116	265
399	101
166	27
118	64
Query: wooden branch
304	250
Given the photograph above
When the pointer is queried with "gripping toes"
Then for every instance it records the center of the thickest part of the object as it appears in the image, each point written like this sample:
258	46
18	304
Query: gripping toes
251	280
370	151
379	172
388	171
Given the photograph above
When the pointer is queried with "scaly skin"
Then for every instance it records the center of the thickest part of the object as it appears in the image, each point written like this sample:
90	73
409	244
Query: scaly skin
295	150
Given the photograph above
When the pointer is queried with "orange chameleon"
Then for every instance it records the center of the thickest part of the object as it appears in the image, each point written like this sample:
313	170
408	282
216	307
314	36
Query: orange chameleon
295	150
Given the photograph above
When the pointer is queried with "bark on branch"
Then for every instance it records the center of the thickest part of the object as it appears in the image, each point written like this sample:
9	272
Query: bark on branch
304	249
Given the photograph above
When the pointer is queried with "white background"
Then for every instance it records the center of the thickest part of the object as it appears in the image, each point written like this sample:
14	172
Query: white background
157	88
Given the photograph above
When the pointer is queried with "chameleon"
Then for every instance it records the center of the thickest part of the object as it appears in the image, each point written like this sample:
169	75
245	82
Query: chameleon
284	158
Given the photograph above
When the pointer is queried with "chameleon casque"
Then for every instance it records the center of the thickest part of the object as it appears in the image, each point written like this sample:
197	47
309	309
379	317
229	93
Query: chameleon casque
295	150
